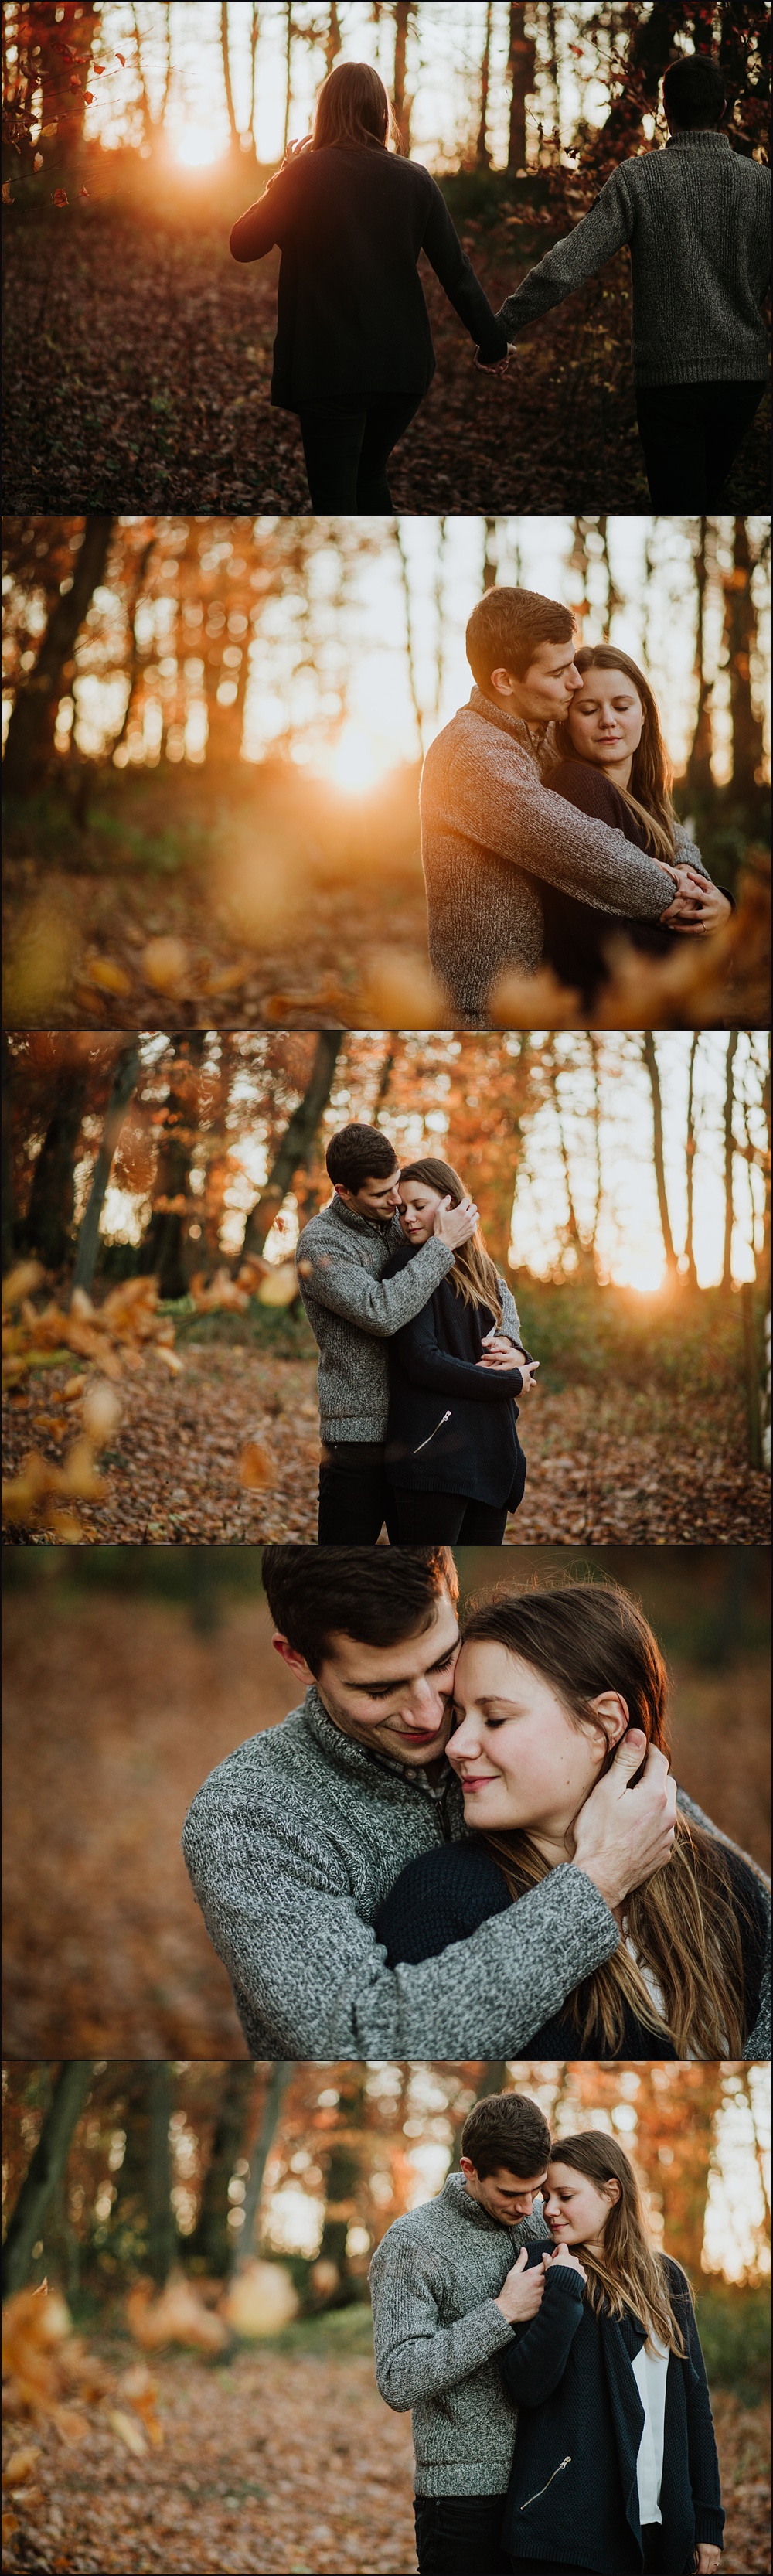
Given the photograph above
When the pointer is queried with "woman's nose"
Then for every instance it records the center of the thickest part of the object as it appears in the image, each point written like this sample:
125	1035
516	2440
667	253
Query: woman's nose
465	1741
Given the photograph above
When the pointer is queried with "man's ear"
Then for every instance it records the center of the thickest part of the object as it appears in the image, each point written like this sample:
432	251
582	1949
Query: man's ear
297	1663
502	682
612	1714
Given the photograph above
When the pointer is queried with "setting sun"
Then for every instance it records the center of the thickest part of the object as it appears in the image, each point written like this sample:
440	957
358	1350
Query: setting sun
197	146
356	759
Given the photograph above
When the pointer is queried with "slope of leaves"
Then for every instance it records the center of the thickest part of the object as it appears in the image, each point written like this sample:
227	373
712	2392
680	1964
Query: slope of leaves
117	1708
138	363
286	2463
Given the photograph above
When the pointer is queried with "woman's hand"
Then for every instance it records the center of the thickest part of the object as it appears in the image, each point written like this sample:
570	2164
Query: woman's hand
563	2254
698	907
707	2558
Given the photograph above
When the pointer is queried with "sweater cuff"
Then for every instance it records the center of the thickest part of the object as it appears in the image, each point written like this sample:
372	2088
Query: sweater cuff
566	2280
709	2524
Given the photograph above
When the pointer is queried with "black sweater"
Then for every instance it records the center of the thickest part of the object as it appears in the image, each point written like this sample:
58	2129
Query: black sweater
573	2494
451	1425
443	1895
351	320
576	933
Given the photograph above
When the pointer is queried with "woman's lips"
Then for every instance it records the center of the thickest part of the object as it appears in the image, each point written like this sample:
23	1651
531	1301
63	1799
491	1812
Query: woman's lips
481	1780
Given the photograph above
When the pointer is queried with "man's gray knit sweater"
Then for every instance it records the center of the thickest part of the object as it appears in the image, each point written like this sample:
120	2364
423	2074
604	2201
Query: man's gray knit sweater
490	829
697	220
434	2282
353	1311
291	1844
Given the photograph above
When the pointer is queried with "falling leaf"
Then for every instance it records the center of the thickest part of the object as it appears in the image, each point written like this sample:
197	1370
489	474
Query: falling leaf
101	1413
83	192
128	2431
108	976
255	1469
280	1286
38	161
171	1359
72	2427
21	1282
47	132
261	2300
178	2315
20	2464
165	965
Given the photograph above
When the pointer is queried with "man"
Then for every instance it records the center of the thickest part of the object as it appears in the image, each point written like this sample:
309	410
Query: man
696	218
352	1309
490	829
448	2283
295	1838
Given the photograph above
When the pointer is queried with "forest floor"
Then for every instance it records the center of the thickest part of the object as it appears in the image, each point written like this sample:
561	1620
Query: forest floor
138	363
607	1459
117	1706
287	2463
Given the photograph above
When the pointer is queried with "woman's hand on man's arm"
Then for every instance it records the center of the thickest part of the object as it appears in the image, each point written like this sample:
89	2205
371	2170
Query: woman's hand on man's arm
698	906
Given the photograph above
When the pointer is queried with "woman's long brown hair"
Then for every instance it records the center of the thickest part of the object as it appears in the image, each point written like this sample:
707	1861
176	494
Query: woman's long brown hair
628	2273
587	1638
353	109
473	1276
649	794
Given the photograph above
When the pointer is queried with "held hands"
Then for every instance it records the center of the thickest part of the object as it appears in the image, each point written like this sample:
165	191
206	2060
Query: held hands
698	907
522	2293
624	1835
501	1354
563	2254
455	1225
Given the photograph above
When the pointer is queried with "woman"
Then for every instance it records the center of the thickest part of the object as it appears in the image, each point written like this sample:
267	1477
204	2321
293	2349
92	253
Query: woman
615	767
452	1451
546	1685
353	353
615	2463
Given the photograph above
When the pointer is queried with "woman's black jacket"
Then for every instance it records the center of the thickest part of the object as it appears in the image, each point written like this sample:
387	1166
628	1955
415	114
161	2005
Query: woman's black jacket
576	935
573	2496
443	1895
451	1426
351	320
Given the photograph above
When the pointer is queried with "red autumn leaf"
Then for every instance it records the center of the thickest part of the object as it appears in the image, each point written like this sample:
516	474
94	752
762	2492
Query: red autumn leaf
5	193
98	69
59	197
121	58
83	192
88	95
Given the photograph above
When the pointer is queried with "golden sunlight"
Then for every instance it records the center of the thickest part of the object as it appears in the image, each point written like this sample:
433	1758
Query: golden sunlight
197	146
355	759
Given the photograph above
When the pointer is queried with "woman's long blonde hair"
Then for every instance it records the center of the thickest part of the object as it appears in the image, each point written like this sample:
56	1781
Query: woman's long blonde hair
649	794
474	1276
629	2272
586	1638
353	109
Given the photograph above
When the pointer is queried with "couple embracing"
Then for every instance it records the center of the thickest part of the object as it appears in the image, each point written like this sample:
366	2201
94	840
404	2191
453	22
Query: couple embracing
421	1360
549	2352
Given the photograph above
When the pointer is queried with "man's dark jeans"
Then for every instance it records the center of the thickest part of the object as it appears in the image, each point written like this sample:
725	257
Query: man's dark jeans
347	446
460	2535
690	435
354	1498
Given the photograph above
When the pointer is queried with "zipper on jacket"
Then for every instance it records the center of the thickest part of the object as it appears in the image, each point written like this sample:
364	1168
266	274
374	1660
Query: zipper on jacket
431	1435
541	2491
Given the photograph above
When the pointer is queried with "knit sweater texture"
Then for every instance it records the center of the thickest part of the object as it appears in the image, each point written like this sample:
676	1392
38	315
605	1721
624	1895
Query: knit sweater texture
573	2486
353	1310
351	316
434	2282
490	830
696	218
292	1842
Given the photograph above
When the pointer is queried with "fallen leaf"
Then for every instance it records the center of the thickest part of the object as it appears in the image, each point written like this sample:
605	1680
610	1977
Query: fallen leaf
108	976
20	2464
255	1468
128	2431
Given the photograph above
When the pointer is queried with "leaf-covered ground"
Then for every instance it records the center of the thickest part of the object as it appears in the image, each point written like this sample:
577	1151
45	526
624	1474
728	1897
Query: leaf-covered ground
116	1709
288	2464
606	1462
138	361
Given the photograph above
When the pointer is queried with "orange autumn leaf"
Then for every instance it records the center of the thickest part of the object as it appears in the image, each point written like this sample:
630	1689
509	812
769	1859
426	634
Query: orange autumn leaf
255	1469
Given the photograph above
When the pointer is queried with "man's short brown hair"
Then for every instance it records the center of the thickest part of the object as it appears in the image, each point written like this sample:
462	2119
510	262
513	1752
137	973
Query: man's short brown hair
378	1595
506	2131
359	1154
507	628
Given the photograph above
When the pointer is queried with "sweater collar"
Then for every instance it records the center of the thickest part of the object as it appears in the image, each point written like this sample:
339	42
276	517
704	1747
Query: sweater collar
705	140
357	1224
460	2200
530	737
374	1771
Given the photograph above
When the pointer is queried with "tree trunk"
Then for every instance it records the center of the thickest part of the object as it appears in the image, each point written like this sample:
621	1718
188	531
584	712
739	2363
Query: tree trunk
690	1167
401	103
741	641
9	1218
482	153
651	48
343	2177
260	2151
229	96
165	1245
699	762
288	71
33	714
213	2240
124	1084
333	37
295	1151
162	2233
48	1223
727	1274
254	35
651	1061
520	73
43	2172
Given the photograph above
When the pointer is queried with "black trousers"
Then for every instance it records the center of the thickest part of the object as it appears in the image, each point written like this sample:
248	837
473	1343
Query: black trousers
432	1519
651	2543
460	2535
690	435
346	446
354	1498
